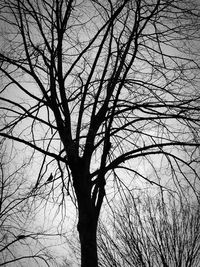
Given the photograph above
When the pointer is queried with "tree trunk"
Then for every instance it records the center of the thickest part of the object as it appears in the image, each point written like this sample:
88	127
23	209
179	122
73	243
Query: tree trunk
87	228
88	215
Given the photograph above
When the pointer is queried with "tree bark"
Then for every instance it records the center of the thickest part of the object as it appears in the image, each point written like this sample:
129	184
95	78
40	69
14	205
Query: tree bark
88	216
87	228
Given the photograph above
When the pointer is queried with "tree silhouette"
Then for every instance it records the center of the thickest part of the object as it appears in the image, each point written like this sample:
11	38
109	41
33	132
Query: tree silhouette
151	231
100	88
18	242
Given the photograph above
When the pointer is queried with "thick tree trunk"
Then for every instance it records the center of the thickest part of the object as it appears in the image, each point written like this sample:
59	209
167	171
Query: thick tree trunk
87	228
88	216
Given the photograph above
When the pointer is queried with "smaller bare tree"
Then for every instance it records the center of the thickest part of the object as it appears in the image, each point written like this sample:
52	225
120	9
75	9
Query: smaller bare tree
20	240
152	231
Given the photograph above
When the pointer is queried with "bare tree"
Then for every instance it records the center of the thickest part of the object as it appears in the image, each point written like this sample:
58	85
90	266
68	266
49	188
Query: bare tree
149	231
103	92
20	241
